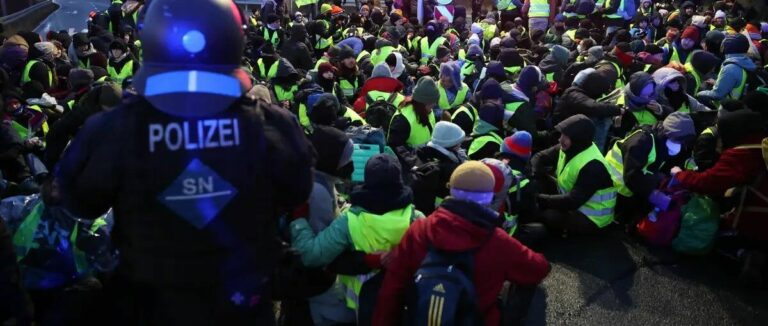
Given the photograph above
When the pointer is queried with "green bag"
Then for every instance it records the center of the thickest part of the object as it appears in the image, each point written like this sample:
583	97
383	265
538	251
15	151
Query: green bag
701	219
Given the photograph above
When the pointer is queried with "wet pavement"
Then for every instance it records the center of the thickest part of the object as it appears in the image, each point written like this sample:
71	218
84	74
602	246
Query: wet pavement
72	16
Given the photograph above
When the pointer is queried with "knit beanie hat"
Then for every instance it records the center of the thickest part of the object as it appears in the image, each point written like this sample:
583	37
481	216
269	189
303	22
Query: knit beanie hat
530	77
720	14
110	95
383	171
331	147
324	110
519	145
325	67
735	44
475	52
495	69
596	52
47	49
118	44
492	114
325	8
577	81
16	40
346	52
653	49
704	61
510	58
691	32
426	91
491	90
560	54
473	181
474	39
381	70
447	134
699	21
79	78
476	28
637	46
679	126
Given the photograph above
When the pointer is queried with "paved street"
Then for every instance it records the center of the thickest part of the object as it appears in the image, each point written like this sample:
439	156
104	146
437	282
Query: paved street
73	15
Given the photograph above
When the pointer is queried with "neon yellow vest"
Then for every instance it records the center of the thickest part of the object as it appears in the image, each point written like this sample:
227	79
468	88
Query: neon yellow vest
429	51
25	78
282	94
467	109
420	134
479	142
380	55
689	68
263	73
539	9
274	39
461	96
615	160
599	208
125	72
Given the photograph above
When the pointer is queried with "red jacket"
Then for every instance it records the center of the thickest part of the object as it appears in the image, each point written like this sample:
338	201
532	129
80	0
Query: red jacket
736	167
382	84
501	259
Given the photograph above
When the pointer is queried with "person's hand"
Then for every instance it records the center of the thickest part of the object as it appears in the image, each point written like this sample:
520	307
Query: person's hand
655	107
286	104
675	170
33	142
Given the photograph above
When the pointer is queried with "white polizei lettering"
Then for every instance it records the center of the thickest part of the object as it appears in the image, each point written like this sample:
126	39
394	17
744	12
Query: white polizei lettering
209	140
224	132
211	133
173	127
188	145
189	187
237	132
155	135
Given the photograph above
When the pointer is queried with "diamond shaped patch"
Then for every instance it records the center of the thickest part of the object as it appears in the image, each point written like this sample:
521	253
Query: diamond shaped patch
198	194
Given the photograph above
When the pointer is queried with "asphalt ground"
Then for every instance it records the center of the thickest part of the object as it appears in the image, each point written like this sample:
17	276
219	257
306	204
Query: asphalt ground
615	280
72	16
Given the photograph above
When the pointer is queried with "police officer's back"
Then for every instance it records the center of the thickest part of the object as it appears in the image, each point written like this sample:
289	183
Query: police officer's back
196	174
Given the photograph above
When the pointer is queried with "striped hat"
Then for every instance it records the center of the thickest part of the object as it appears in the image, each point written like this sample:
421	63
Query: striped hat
519	144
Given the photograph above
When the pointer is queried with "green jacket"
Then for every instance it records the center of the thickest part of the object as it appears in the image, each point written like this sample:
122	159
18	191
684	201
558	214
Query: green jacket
322	248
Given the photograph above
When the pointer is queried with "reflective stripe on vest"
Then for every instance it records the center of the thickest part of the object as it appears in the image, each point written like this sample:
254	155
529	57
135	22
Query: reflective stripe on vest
263	73
125	72
420	134
25	78
362	55
459	99
506	5
538	9
571	33
319	62
429	51
274	39
348	88
282	94
469	110
371	233
643	117
599	208
480	142
738	91
380	55
615	160
689	68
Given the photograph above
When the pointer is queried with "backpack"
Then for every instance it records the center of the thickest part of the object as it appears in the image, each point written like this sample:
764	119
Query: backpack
659	227
425	178
379	111
443	292
699	224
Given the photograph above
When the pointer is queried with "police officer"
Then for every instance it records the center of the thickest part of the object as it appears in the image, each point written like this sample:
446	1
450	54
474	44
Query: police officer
196	174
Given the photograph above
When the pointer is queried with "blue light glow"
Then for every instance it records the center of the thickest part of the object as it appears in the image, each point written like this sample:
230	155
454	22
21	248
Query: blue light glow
193	81
193	41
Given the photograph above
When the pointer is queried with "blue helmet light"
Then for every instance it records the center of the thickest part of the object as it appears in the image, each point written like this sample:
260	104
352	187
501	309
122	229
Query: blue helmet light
193	41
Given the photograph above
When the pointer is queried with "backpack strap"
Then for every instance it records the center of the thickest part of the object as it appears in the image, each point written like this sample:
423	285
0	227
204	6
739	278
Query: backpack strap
392	97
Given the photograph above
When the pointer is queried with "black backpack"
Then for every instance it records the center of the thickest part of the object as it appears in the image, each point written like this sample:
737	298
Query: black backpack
425	180
379	112
443	292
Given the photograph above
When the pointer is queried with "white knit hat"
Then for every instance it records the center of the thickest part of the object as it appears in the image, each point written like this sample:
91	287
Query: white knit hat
447	134
720	14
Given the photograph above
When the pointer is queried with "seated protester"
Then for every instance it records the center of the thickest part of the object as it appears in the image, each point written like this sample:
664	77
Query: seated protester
488	133
466	116
381	85
445	150
382	210
13	166
442	55
383	49
731	81
554	64
519	110
122	64
285	85
591	57
334	163
428	45
296	48
587	197
267	64
521	199
679	50
326	111
100	98
453	92
272	32
40	66
464	222
80	81
398	70
473	66
413	123
671	89
620	62
350	77
718	22
512	62
741	164
638	100
636	163
698	71
327	78
707	149
582	98
29	121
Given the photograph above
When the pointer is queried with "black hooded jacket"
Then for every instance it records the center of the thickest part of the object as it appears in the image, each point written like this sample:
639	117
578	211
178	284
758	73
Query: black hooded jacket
296	50
592	177
578	100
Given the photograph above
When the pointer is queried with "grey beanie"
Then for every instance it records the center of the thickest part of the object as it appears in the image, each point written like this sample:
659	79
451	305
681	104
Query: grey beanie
381	70
678	126
426	91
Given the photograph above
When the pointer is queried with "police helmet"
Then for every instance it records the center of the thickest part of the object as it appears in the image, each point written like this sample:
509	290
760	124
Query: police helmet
191	47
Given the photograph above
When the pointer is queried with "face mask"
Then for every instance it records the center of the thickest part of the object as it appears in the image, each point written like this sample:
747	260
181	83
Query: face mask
673	148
